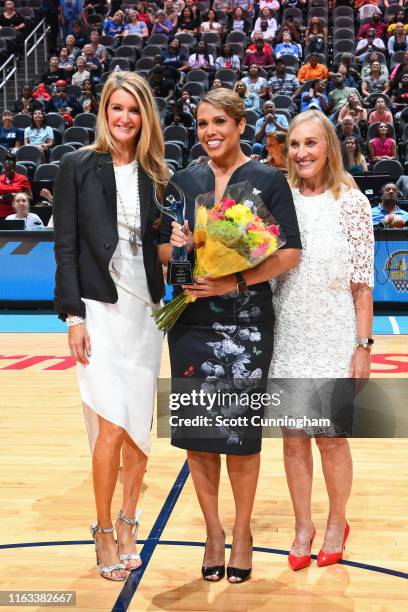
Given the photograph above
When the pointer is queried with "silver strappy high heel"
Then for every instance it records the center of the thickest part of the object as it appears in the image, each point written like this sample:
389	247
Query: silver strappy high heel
134	524
105	569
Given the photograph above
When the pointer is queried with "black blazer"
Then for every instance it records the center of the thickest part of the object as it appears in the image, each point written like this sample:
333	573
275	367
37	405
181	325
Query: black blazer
86	233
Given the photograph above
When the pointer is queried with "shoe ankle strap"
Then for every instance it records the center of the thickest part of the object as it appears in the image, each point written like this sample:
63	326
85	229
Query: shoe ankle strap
95	529
126	519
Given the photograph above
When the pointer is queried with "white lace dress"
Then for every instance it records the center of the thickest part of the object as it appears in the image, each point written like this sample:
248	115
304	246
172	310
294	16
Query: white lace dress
119	384
315	331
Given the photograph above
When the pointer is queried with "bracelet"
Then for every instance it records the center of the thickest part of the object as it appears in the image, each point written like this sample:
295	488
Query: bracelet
72	321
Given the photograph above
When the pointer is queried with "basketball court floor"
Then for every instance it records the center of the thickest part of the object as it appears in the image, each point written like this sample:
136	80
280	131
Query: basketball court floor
47	503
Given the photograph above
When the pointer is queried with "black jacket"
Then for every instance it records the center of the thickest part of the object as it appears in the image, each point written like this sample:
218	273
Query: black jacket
86	234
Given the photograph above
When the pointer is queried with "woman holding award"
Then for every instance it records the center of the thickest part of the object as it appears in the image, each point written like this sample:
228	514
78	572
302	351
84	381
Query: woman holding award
108	283
224	339
323	324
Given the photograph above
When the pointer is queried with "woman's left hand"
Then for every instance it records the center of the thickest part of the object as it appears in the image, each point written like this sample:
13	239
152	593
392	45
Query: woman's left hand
360	367
209	286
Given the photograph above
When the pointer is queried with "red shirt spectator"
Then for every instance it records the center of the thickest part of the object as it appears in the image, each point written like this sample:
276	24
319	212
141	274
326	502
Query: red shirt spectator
11	182
260	57
374	24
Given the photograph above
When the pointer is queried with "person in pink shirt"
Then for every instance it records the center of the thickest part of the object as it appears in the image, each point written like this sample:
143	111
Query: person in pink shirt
382	146
380	113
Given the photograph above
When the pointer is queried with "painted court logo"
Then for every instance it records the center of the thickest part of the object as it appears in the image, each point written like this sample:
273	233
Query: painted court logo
396	268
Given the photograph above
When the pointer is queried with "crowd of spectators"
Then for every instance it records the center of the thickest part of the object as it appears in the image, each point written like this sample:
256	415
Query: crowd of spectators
348	59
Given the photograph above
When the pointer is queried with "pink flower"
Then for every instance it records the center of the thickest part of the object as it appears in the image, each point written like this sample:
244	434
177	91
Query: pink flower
273	229
214	215
260	250
227	203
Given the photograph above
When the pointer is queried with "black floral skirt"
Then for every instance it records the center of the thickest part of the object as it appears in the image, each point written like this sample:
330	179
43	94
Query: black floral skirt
220	353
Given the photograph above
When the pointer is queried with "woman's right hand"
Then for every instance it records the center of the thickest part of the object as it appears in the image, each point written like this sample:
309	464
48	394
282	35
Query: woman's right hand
181	236
79	343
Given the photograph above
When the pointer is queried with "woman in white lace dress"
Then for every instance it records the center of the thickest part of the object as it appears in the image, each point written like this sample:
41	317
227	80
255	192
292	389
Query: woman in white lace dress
323	319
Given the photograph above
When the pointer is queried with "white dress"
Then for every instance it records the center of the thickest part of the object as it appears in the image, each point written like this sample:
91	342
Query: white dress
315	330
119	383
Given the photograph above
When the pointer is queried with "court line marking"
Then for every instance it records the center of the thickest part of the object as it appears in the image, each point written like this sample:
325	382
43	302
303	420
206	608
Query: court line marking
273	551
394	325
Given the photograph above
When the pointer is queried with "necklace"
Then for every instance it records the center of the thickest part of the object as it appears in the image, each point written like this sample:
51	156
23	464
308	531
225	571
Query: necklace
135	234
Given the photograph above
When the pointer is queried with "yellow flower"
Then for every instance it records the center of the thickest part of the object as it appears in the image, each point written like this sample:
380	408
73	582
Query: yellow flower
240	214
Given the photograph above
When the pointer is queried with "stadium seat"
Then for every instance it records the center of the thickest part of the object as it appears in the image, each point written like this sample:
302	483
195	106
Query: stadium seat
196	151
60	150
389	166
30	154
55	120
76	135
177	134
46	172
174	153
21	121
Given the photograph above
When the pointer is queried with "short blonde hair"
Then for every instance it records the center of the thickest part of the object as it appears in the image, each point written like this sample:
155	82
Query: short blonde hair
228	100
20	193
149	144
337	177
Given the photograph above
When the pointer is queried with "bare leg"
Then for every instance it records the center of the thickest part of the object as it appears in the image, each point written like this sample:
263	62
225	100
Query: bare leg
338	474
134	466
243	472
205	471
105	468
297	454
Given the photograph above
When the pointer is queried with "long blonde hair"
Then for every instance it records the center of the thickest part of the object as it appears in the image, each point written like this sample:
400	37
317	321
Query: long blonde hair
150	144
337	177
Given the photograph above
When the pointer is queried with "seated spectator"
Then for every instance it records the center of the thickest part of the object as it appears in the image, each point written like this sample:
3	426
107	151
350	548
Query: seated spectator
175	58
80	32
187	22
217	84
250	99
145	13
201	59
260	57
115	26
162	87
237	21
399	17
275	146
188	105
369	44
73	51
21	205
312	70
299	4
162	25
398	72
287	47
382	146
264	30
11	182
368	9
283	83
134	26
60	102
346	129
402	184
178	116
375	82
366	68
223	6
26	103
252	47
92	63
256	83
289	24
82	73
39	134
245	5
354	109
400	97
315	97
271	122
388	205
71	11
96	7
99	50
381	113
353	159
266	15
54	72
12	19
227	59
196	12
375	24
316	29
88	100
338	97
399	40
10	137
171	11
211	23
66	63
348	75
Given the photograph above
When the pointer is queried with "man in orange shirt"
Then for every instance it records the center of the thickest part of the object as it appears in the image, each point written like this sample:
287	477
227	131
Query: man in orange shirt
313	70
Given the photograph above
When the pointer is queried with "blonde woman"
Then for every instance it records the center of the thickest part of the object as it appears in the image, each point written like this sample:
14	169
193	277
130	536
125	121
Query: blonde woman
108	283
323	320
21	206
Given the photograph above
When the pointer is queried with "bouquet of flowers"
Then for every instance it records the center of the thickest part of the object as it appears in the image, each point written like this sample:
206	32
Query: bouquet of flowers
230	236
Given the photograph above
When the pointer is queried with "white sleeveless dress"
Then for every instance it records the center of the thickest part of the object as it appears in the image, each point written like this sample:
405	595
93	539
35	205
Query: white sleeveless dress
119	383
315	330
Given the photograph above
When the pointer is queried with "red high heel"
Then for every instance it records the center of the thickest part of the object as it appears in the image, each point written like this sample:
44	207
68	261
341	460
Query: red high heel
297	563
324	558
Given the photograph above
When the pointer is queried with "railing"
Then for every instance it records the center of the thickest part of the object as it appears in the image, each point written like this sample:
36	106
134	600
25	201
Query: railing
40	35
8	73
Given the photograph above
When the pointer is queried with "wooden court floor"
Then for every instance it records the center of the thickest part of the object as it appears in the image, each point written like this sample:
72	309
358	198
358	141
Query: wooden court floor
46	498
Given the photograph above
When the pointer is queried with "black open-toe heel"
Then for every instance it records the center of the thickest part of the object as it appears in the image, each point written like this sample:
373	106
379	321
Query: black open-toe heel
239	575
213	573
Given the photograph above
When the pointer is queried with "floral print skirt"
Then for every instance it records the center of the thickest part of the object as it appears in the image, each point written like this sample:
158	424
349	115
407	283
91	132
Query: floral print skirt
220	353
